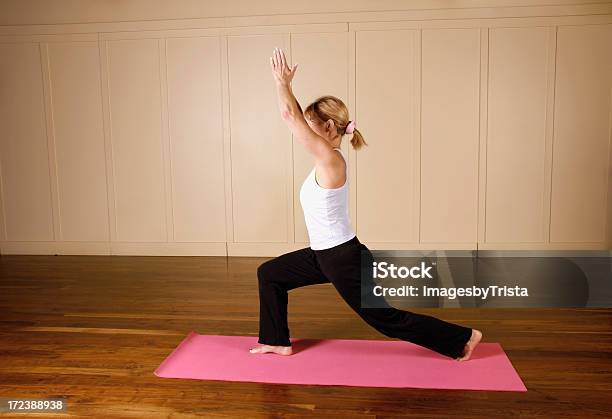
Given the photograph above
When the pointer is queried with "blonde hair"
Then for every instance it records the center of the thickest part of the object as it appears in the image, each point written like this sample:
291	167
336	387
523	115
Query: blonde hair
330	107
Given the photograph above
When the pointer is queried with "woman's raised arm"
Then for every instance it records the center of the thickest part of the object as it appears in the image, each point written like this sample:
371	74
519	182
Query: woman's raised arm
291	111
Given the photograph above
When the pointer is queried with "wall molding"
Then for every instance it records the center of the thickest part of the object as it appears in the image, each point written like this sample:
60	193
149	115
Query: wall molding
485	14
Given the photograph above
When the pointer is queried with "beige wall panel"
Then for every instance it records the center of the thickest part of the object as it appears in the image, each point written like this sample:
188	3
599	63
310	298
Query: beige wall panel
24	160
449	135
321	71
163	136
260	141
135	112
387	178
195	112
74	73
516	140
582	134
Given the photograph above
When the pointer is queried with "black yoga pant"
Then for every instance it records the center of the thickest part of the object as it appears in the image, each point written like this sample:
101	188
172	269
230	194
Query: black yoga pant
341	265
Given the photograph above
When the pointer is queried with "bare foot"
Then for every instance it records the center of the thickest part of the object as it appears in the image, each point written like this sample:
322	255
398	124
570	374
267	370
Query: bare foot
470	345
281	350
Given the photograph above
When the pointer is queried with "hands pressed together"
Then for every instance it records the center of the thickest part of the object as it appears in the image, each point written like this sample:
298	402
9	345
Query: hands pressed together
280	70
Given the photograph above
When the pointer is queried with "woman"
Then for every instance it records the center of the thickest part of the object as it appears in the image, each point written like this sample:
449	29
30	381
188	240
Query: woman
334	254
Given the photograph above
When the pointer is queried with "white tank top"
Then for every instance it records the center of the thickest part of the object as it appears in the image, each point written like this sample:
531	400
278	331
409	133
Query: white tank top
326	212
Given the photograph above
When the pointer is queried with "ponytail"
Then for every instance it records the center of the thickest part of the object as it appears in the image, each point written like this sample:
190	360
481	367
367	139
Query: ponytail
357	141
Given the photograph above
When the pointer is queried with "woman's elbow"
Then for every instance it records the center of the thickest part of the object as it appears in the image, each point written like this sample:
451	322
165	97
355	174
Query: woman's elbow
287	115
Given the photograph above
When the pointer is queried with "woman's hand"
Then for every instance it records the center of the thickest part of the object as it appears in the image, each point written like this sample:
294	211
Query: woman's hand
281	72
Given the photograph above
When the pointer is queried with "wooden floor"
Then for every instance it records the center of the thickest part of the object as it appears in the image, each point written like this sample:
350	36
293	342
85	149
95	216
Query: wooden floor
94	328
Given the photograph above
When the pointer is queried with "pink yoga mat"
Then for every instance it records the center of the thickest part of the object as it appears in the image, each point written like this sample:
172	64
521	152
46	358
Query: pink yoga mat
364	363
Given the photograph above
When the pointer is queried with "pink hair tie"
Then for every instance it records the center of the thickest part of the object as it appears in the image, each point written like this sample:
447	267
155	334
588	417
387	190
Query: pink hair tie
350	128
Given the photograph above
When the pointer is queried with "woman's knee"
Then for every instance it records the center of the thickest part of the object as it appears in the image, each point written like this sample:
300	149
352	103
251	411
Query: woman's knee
264	271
